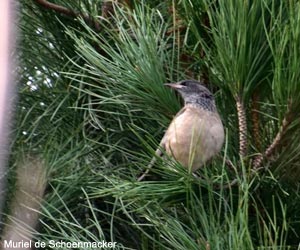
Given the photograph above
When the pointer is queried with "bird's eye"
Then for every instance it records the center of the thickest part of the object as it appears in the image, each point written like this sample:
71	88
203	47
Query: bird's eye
184	83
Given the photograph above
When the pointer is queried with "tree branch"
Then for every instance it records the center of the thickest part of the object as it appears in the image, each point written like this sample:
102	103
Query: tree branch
57	8
287	120
69	12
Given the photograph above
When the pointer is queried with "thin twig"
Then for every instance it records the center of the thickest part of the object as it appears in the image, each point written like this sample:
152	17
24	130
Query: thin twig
69	12
158	153
287	120
57	8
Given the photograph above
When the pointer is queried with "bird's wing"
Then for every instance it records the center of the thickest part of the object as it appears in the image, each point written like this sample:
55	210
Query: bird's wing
162	144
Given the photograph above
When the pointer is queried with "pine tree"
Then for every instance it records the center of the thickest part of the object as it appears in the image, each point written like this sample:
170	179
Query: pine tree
92	105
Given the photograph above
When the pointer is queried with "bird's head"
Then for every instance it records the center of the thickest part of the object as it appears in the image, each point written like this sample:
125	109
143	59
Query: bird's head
194	93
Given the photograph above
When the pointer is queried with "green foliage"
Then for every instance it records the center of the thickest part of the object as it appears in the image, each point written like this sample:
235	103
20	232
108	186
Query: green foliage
236	48
251	51
92	104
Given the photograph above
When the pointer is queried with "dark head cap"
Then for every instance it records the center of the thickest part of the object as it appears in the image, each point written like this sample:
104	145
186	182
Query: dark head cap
193	92
188	88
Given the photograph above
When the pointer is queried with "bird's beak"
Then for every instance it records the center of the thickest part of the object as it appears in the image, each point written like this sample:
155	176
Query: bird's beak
174	85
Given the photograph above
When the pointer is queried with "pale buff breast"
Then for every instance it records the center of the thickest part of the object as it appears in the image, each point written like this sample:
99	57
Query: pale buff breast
194	137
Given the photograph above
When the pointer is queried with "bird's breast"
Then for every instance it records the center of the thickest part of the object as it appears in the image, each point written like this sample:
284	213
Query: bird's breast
194	136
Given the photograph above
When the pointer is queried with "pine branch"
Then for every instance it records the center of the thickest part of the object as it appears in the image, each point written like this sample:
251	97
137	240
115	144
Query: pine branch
287	120
57	8
69	12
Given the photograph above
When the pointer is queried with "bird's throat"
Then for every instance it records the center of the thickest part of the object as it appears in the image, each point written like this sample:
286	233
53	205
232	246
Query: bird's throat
202	103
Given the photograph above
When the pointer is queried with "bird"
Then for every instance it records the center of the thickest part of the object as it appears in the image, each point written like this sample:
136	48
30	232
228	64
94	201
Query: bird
196	133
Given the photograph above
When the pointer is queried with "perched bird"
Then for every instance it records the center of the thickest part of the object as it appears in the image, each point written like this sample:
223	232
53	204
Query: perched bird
196	133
